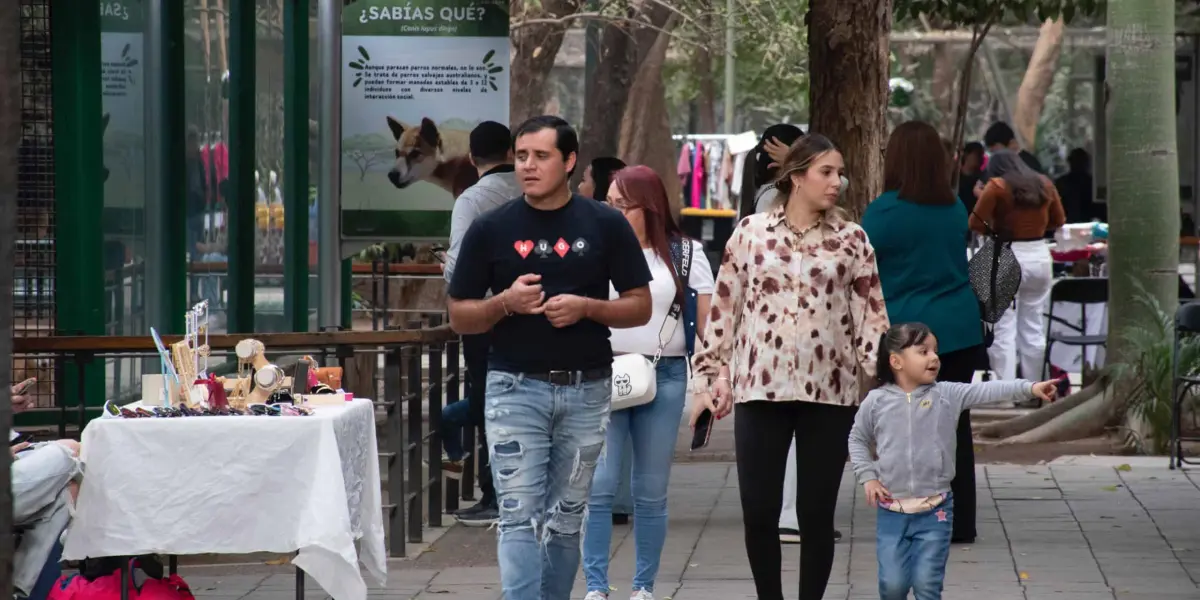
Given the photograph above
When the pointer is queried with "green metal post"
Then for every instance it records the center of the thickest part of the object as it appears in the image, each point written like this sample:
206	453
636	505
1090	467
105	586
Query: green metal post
241	197
295	162
79	194
174	163
347	304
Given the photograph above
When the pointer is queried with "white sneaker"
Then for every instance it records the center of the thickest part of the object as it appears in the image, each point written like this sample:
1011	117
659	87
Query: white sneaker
642	595
596	595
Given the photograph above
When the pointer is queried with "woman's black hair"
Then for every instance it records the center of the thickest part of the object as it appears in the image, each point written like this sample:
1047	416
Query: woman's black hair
897	338
786	134
1024	183
603	169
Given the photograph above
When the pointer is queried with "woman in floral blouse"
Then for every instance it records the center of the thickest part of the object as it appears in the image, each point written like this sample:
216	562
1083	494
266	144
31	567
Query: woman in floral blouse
795	320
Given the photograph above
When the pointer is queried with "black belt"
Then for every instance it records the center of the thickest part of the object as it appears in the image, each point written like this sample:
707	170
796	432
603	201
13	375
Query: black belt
571	377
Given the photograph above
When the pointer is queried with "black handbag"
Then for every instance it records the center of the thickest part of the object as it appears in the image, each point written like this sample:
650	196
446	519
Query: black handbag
995	276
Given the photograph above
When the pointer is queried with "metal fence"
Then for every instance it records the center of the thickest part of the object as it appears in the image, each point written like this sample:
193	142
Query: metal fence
34	305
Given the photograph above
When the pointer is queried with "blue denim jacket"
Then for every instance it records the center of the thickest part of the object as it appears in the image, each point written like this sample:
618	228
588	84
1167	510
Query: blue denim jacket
690	296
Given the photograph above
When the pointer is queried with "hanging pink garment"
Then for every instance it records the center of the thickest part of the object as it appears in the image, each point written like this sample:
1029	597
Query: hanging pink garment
221	160
683	167
698	176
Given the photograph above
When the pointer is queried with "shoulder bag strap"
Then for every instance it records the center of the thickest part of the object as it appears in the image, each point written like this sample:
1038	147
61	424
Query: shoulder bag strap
683	265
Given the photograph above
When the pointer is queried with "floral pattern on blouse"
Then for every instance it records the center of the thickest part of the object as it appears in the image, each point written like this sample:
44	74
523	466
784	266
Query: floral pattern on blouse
795	314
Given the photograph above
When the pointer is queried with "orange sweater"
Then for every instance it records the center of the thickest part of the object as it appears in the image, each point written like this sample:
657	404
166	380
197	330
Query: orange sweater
1016	222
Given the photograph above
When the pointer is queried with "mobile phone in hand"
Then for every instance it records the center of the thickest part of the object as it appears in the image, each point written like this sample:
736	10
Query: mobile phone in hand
703	430
24	386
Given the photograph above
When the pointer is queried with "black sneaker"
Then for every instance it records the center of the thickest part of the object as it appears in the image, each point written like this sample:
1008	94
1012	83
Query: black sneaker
480	515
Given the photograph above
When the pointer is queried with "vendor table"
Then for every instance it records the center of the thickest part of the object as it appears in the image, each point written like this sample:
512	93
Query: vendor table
236	485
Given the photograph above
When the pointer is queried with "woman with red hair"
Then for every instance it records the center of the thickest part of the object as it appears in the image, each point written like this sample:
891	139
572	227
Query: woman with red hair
680	306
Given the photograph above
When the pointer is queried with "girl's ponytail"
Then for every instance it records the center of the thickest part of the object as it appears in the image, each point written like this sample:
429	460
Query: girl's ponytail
883	365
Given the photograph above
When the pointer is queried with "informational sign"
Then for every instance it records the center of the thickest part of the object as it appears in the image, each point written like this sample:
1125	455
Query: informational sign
417	77
123	122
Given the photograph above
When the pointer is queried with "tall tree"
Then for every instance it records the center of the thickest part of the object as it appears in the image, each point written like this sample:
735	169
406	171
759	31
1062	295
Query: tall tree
625	41
848	94
10	141
537	34
1031	96
645	132
1143	163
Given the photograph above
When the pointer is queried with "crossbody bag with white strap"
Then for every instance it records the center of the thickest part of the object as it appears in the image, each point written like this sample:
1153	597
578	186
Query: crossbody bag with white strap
635	377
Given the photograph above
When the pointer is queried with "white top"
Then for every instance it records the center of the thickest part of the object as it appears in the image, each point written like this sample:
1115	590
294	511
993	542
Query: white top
644	339
236	485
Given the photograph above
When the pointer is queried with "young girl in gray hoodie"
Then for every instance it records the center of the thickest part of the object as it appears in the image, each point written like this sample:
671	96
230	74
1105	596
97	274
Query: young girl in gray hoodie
910	421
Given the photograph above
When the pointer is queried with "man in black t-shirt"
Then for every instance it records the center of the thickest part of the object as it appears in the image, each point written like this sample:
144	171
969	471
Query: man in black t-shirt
548	259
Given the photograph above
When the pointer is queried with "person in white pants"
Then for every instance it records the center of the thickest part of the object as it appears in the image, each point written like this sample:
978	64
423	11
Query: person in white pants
1020	206
1020	334
789	525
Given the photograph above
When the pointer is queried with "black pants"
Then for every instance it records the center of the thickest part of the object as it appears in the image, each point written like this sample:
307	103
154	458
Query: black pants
762	432
959	366
475	354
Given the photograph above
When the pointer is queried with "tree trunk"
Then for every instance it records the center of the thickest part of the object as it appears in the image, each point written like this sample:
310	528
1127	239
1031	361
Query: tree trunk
535	47
1143	166
1086	420
1143	169
646	132
607	93
702	62
945	71
620	55
1031	96
848	92
10	141
1018	425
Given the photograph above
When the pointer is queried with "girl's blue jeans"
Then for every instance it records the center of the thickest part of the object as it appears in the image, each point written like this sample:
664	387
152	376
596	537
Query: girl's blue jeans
912	551
652	428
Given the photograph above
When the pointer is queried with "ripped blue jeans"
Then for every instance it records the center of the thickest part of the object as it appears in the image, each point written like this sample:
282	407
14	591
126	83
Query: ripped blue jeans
544	442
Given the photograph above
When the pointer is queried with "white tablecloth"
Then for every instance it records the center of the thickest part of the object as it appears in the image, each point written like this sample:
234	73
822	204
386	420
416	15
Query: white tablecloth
235	485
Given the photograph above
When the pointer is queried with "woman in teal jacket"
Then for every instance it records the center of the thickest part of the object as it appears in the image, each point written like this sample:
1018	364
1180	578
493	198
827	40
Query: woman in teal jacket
919	230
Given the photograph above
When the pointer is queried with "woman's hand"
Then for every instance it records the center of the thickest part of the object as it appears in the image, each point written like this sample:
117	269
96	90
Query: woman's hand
701	401
876	493
723	401
777	150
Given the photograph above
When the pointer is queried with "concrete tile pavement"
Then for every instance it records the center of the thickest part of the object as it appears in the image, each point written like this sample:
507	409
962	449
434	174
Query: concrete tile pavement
1067	532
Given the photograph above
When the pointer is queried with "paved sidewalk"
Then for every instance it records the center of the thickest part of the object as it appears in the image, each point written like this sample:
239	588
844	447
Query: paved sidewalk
1072	530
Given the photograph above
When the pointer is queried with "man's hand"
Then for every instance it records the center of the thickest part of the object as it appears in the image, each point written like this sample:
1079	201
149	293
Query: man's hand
876	493
565	309
15	448
978	188
1046	391
524	296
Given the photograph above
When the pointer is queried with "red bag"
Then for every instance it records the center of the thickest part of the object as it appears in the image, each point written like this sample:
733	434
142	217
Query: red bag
108	587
